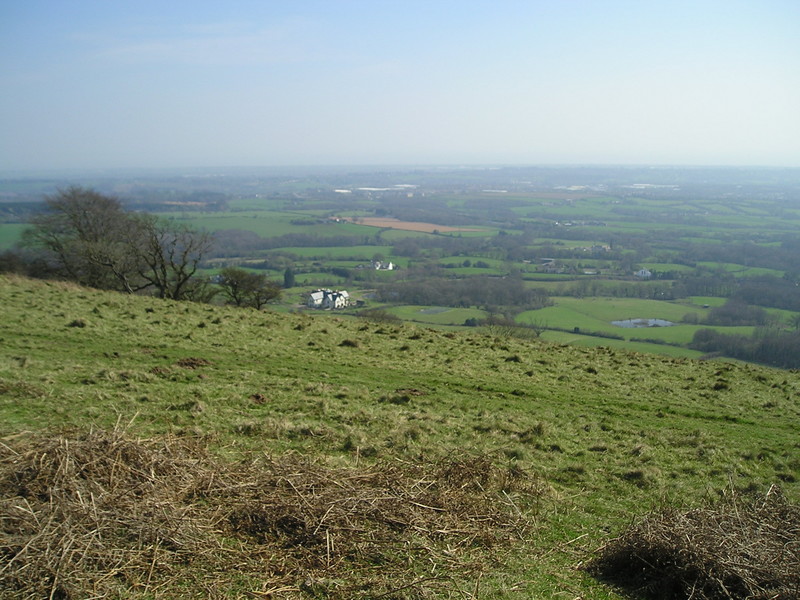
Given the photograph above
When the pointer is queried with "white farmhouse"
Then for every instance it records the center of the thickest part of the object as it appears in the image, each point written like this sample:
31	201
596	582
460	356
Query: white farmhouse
328	299
336	300
315	299
380	265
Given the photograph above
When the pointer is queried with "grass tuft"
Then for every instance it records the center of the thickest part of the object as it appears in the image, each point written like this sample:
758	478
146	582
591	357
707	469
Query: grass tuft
100	514
740	547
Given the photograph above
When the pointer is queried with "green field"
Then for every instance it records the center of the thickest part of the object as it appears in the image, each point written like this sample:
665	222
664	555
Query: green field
661	267
269	223
741	270
10	234
358	253
576	339
588	311
580	442
707	300
438	315
598	236
597	314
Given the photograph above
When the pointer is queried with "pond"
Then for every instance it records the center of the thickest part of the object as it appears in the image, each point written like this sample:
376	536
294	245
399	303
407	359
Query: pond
643	323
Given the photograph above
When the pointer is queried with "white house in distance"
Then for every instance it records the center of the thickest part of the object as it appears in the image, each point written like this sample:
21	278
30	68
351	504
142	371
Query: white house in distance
328	299
380	265
643	274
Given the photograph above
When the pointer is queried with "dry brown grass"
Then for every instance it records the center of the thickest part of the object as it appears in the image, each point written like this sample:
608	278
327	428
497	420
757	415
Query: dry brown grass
393	223
101	515
735	549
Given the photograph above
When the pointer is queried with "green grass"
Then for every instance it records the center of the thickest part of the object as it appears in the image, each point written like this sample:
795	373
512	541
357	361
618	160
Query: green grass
571	312
707	300
363	254
589	341
319	279
662	267
391	235
742	270
268	223
559	243
10	234
597	314
479	271
612	433
437	315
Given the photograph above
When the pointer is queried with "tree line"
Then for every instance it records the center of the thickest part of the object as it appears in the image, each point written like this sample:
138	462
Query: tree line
768	346
489	292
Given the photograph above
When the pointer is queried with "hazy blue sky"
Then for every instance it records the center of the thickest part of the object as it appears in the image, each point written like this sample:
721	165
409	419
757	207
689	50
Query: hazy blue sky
173	83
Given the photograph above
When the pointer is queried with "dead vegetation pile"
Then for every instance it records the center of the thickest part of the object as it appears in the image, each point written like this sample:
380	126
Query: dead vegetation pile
737	548
100	515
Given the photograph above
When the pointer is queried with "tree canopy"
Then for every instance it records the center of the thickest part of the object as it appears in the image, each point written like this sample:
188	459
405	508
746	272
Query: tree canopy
90	238
244	288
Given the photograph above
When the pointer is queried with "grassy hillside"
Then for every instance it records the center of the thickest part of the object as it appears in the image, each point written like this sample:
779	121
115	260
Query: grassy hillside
600	436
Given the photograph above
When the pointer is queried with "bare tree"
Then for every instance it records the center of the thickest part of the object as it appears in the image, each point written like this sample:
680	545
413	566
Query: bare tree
92	239
83	232
168	254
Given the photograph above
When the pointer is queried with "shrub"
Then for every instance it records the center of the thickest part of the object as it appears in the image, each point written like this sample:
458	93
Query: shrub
738	548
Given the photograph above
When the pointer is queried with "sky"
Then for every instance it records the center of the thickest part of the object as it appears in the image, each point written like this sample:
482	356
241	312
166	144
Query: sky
175	83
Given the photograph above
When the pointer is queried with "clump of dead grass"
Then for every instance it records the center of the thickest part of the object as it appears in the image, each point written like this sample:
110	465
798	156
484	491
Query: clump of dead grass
737	548
80	514
98	514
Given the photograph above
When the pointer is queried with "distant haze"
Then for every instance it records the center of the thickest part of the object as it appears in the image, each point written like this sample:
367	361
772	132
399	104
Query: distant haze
172	84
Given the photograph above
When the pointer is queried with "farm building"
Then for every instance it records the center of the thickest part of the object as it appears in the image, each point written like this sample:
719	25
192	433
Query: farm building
380	265
328	299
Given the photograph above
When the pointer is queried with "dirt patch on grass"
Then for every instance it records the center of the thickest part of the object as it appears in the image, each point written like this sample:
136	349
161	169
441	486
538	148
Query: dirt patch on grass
736	549
102	515
408	225
192	362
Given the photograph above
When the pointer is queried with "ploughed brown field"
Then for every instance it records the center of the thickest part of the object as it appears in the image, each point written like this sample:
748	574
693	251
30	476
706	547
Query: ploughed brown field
408	225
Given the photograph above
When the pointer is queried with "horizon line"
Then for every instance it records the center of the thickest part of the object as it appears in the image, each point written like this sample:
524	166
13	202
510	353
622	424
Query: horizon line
76	171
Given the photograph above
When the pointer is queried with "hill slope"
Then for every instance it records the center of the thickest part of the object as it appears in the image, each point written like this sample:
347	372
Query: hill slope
606	435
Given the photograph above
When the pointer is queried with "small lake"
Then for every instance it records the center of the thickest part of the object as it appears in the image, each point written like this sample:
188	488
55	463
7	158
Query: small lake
643	323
